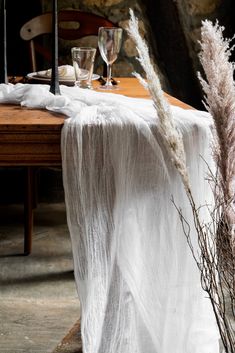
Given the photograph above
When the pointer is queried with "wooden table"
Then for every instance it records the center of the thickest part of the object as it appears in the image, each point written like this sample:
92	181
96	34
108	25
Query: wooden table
31	138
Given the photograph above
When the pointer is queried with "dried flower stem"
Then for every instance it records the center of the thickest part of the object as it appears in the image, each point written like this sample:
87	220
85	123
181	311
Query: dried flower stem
220	102
217	278
168	130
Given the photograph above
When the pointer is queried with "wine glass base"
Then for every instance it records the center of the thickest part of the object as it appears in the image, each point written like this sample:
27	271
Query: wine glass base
108	88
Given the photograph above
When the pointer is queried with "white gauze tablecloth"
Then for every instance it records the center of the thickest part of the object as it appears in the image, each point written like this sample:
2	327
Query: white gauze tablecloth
136	279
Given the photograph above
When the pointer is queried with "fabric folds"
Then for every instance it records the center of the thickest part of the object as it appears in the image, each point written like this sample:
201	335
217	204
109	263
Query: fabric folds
136	279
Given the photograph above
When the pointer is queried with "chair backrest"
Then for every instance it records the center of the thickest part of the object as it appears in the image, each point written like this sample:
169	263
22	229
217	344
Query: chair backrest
72	25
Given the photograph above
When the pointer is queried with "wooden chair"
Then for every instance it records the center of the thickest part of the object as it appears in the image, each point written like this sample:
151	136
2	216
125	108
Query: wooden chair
72	25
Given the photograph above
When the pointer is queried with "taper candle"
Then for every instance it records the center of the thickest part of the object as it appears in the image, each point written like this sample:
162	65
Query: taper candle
3	71
54	87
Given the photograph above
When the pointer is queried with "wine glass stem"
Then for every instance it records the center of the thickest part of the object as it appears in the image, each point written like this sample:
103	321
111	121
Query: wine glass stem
109	72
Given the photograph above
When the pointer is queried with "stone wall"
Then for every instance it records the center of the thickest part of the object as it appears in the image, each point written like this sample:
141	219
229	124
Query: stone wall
193	12
176	27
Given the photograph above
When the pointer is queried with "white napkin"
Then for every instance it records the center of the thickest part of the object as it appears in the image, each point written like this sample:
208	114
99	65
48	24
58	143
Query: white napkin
66	72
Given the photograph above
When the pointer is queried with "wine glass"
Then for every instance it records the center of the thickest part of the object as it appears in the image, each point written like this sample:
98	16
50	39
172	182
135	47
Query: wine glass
109	42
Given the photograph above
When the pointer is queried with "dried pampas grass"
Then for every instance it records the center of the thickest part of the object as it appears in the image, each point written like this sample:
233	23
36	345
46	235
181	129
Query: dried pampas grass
217	277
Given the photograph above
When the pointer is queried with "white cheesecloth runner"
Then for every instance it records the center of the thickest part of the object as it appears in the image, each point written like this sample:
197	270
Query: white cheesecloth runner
137	281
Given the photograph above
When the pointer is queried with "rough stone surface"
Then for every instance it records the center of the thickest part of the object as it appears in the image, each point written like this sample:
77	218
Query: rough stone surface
204	7
38	297
126	68
125	24
130	48
106	3
192	13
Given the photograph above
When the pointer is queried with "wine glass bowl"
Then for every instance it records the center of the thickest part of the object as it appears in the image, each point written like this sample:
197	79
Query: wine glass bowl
109	43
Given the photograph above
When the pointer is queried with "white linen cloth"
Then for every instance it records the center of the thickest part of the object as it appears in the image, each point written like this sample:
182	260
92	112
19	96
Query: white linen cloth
137	281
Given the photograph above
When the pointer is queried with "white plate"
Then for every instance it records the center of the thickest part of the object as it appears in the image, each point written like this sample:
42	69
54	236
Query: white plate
65	81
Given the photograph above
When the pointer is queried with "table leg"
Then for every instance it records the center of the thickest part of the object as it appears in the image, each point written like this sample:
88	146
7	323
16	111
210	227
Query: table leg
29	205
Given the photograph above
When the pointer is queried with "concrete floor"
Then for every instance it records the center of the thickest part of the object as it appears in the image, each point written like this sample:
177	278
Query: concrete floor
38	298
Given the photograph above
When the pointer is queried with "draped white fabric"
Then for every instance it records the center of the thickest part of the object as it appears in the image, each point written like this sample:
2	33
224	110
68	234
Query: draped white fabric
137	281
